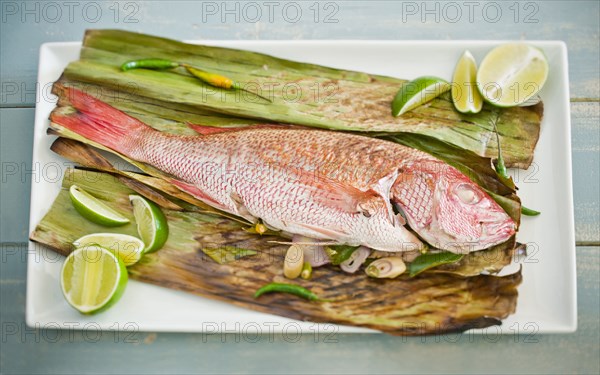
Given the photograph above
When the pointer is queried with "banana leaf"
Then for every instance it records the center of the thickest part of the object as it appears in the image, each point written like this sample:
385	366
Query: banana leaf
88	157
163	116
348	100
433	303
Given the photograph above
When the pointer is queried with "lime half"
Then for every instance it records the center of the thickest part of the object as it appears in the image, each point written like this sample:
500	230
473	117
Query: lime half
130	249
465	95
511	74
151	223
93	279
418	92
94	210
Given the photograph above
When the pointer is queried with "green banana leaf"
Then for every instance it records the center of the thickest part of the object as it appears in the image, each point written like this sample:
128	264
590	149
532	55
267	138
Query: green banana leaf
348	100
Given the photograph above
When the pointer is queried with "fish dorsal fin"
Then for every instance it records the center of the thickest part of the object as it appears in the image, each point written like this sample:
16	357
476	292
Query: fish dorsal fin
207	129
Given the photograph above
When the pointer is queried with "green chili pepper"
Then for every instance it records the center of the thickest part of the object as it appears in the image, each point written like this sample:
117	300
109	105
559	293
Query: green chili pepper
212	79
529	212
217	80
296	290
156	64
500	166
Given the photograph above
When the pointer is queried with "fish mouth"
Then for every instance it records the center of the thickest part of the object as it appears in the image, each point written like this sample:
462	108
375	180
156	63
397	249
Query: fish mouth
493	231
498	230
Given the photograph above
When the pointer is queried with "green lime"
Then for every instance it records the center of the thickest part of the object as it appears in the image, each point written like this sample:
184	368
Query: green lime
151	223
418	92
130	249
94	210
465	95
511	74
93	279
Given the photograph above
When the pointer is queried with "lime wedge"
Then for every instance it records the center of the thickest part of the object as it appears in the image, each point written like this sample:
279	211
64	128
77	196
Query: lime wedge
418	92
93	279
94	210
465	95
511	74
151	223
130	249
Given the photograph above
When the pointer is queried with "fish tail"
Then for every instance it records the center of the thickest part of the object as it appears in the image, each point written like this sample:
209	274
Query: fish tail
101	123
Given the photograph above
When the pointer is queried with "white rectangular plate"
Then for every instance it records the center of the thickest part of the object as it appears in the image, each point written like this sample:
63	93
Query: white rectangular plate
547	300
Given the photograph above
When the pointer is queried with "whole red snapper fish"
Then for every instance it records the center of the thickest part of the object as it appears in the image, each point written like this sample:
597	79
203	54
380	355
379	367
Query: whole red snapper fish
320	184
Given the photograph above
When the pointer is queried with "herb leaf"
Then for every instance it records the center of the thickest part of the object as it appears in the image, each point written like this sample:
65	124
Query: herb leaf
226	254
430	260
339	253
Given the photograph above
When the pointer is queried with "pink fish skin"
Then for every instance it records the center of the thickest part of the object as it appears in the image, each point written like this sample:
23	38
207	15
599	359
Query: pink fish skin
314	183
448	210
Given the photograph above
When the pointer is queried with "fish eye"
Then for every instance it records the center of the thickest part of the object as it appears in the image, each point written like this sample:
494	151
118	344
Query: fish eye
467	194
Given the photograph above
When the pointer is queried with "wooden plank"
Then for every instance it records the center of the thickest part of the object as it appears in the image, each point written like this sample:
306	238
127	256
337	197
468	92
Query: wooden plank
25	26
16	172
71	351
585	119
47	351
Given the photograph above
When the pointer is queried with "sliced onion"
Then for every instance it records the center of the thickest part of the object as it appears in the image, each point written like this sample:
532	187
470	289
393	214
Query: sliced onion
313	252
358	257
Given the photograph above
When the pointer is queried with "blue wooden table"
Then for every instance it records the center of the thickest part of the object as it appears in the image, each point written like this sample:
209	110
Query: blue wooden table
26	24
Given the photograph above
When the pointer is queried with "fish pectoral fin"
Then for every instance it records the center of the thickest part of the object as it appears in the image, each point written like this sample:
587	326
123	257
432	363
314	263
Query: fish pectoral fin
333	233
241	208
341	196
352	201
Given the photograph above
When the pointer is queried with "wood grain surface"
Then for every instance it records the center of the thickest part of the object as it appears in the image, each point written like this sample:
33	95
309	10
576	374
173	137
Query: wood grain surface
25	25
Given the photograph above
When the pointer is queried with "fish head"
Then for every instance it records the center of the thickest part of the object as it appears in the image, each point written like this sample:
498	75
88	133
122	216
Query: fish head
448	210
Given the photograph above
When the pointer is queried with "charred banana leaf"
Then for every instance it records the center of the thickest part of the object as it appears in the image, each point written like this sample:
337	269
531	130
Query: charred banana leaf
214	257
